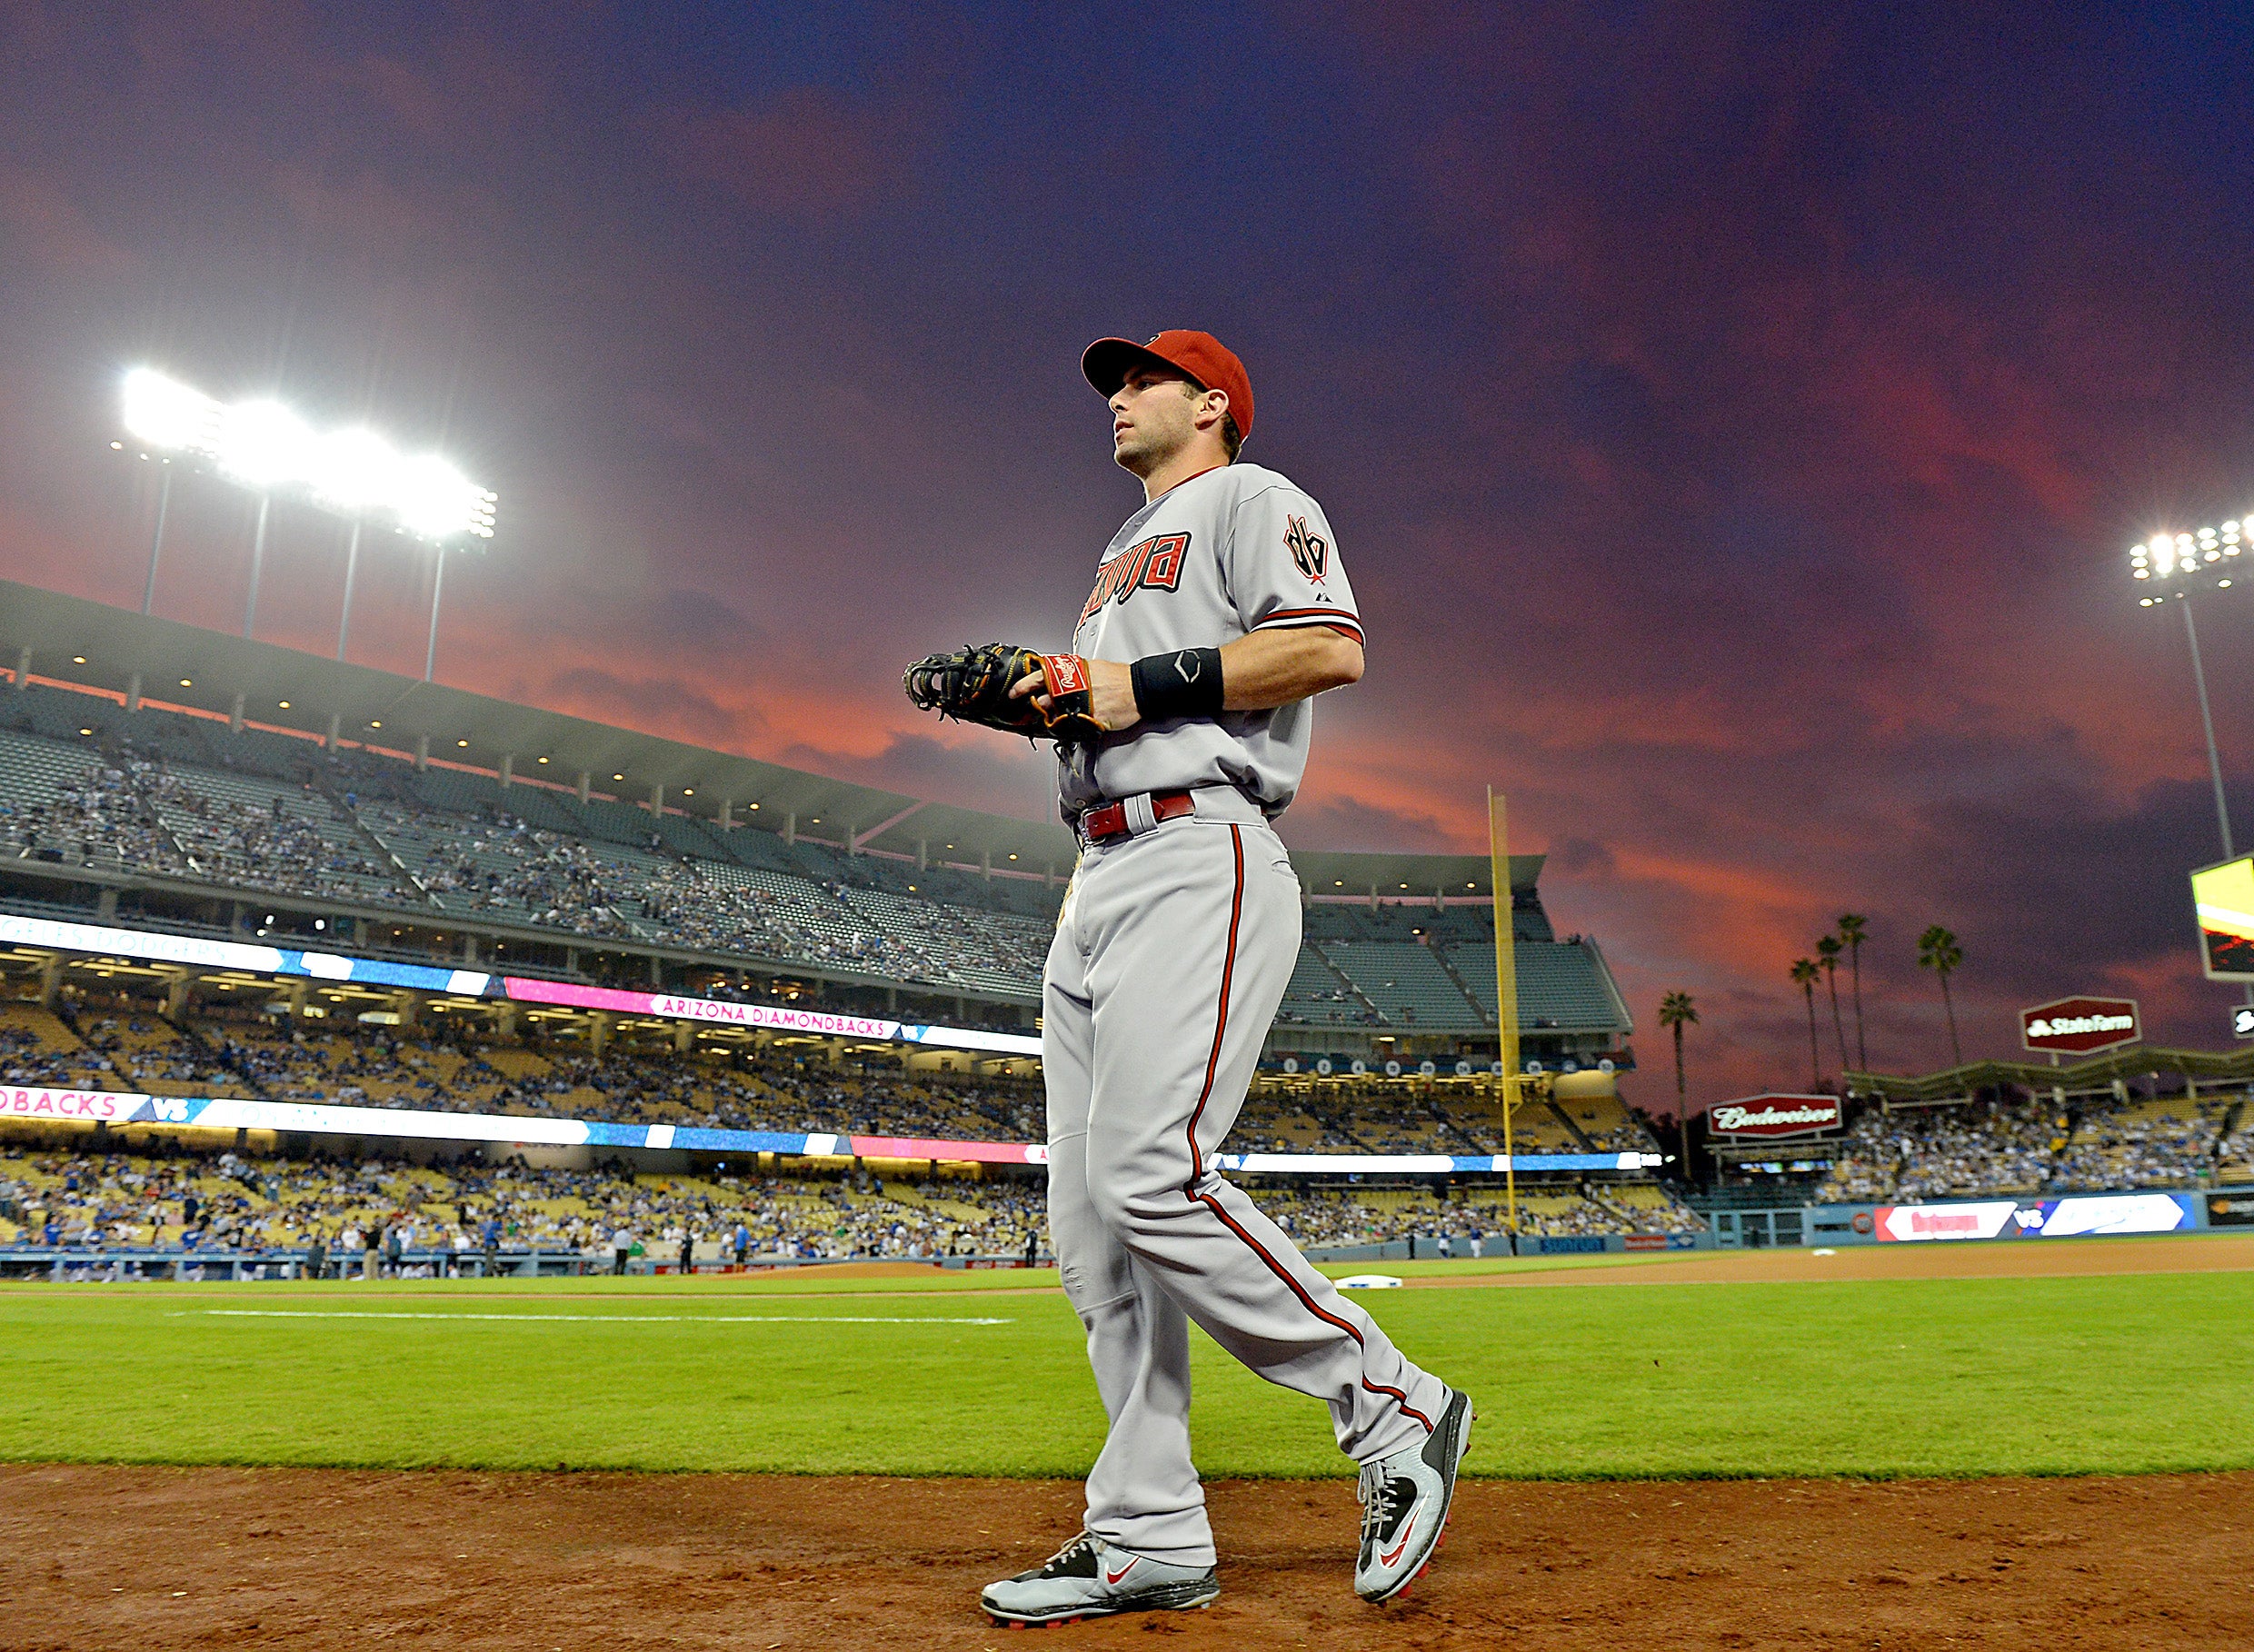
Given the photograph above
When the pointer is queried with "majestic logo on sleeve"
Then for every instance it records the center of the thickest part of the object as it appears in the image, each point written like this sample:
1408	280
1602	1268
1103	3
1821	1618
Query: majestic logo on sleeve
1310	552
1155	564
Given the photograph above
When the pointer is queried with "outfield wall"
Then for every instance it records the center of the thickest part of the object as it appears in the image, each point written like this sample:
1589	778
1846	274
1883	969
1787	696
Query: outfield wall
1425	1247
2061	1216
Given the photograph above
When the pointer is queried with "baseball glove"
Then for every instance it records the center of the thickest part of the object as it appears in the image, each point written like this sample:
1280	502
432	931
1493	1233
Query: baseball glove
972	684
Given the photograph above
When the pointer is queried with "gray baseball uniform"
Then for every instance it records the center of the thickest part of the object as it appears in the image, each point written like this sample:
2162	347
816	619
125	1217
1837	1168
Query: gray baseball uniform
1172	953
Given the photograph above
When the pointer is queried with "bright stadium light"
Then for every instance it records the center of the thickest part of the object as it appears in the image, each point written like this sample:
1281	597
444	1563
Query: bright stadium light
353	472
264	445
2175	564
167	415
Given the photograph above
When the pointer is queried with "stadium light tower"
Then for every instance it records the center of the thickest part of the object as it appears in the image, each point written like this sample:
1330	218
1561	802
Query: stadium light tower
2167	568
353	474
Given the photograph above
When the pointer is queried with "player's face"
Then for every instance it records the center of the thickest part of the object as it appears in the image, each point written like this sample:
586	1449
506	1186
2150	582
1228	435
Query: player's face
1153	417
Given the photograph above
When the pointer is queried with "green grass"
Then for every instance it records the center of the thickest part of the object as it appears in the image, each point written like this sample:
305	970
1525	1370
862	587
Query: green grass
2044	1376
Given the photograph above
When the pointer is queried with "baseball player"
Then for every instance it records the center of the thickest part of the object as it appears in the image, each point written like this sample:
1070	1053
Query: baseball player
1184	714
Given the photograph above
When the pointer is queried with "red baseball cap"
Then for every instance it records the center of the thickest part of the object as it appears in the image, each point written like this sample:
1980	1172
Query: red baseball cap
1208	363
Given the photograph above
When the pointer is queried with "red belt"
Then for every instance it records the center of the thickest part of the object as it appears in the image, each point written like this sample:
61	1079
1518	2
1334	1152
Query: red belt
1108	822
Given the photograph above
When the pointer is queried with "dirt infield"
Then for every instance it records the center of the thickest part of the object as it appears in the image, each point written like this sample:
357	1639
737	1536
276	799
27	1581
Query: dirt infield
166	1558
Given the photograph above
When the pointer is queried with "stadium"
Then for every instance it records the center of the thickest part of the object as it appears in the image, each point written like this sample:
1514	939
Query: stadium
260	900
598	1047
665	984
317	973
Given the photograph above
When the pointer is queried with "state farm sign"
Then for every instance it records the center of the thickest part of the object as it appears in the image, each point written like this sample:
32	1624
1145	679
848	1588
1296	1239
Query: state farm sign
2080	1026
1774	1116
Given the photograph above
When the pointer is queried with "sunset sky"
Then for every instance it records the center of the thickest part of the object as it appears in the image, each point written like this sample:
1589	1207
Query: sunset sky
1734	423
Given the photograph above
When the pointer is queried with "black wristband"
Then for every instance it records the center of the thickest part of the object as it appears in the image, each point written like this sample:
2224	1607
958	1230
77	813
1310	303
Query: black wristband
1185	684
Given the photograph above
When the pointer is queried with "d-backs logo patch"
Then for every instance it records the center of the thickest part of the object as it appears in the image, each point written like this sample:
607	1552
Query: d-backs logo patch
1155	564
1310	553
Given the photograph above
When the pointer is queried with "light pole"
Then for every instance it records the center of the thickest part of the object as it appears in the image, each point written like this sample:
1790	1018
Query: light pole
157	544
2167	568
258	563
438	589
2207	721
351	566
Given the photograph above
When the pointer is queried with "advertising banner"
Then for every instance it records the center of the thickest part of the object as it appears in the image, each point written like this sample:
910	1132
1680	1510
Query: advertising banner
2080	1026
2230	1210
985	1152
320	1118
1764	1117
2223	897
103	941
776	1017
83	1106
2075	1216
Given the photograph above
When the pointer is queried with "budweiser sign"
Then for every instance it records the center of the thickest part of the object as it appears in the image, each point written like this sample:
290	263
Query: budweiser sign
2080	1026
1774	1116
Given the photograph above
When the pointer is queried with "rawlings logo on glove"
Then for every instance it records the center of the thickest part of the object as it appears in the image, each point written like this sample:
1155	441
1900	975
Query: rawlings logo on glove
972	685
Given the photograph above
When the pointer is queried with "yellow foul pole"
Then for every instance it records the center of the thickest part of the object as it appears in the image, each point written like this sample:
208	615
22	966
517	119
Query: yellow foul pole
1506	992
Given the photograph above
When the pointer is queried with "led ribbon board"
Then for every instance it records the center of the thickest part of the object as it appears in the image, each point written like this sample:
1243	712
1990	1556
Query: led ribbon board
726	1012
103	941
200	953
321	1118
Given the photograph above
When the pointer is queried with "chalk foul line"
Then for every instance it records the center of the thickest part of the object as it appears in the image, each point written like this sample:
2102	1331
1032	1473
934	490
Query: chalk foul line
310	1313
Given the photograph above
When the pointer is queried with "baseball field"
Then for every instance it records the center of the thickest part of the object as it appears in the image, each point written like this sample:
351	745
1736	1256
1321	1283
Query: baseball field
1703	1449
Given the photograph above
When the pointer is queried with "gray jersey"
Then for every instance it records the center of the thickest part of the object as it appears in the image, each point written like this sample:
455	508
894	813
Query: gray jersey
1236	550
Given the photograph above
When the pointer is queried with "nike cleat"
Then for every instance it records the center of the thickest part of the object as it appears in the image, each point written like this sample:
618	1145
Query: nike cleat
1089	1578
1405	1499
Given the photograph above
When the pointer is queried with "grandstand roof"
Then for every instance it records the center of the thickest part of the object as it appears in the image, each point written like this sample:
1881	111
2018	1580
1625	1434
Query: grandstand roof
74	642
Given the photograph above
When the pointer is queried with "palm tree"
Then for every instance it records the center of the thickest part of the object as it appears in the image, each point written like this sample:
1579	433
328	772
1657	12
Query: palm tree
1827	951
1938	951
1804	973
1677	1011
1852	927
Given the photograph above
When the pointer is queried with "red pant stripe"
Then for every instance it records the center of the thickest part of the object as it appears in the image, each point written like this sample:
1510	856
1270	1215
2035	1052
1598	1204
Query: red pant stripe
1220	1015
1308	1302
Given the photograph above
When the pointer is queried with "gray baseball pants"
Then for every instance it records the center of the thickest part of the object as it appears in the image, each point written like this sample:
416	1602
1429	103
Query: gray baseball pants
1172	953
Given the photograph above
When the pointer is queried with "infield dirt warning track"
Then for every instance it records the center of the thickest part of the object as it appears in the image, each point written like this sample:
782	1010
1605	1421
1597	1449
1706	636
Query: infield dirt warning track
129	1558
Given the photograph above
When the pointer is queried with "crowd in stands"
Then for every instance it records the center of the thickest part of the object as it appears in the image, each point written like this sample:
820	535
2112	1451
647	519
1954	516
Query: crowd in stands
98	815
403	1211
2034	1147
119	808
231	1203
498	865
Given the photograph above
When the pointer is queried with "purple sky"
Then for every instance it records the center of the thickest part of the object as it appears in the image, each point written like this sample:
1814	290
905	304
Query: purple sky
1734	424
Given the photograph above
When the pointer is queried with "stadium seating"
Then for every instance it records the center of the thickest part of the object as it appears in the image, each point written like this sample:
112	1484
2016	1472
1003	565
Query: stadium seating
159	792
2031	1148
131	1201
